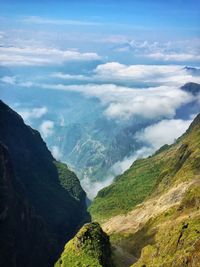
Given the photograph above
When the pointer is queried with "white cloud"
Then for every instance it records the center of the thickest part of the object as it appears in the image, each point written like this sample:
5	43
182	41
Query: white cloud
66	76
26	84
8	79
174	51
161	74
163	132
2	35
34	113
57	154
59	22
122	103
121	166
92	188
46	128
116	72
154	136
174	56
161	100
31	56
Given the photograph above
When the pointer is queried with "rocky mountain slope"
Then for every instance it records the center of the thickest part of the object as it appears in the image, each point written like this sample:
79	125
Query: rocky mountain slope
43	204
151	211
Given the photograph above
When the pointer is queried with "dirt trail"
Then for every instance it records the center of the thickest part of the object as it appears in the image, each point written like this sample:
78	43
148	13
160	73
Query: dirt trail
135	219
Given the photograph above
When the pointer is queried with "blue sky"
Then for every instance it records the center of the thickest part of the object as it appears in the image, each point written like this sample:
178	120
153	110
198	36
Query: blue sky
124	31
117	30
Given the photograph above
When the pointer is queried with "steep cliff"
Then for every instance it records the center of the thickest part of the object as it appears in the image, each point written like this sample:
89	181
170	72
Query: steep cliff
51	189
24	240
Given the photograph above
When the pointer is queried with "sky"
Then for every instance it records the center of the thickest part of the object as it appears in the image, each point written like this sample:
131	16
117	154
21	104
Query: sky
125	31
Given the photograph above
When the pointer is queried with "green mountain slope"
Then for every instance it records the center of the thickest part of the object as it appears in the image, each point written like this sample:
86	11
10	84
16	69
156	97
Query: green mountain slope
49	187
171	164
156	219
90	247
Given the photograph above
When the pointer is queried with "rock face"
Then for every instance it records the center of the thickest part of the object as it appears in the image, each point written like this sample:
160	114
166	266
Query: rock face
151	212
23	237
40	188
90	247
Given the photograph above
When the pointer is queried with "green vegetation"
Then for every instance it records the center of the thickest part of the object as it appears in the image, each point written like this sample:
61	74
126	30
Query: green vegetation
128	190
89	248
169	240
152	176
171	237
69	181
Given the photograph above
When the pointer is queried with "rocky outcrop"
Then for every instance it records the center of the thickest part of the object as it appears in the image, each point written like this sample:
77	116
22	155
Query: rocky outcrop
90	247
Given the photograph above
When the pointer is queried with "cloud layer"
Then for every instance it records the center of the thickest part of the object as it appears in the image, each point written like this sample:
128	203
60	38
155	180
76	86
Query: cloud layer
172	51
163	132
114	72
37	56
34	113
123	103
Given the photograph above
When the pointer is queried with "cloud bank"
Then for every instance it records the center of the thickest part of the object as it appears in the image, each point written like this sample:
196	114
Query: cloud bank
160	74
123	103
40	56
34	113
172	51
153	137
163	132
92	188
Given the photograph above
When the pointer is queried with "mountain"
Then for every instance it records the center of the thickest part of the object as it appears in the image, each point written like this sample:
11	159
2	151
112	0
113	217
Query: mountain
90	247
37	190
151	212
193	88
192	70
23	234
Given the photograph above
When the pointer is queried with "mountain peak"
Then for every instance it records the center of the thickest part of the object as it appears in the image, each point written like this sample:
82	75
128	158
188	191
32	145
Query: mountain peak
193	88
